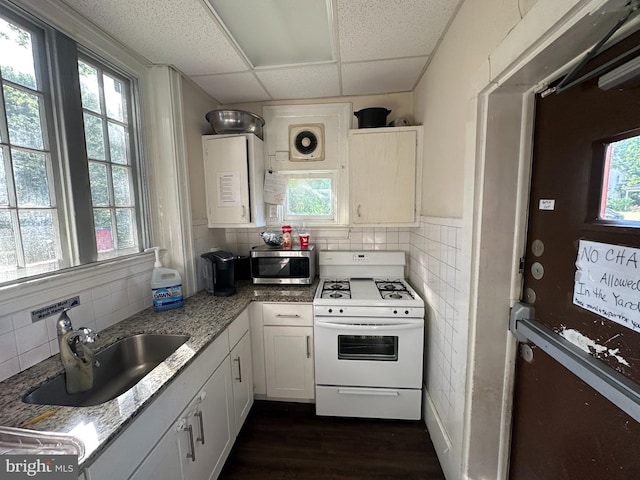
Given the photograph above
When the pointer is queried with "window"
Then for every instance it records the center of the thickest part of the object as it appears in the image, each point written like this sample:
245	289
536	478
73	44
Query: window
65	199
621	181
107	130
311	198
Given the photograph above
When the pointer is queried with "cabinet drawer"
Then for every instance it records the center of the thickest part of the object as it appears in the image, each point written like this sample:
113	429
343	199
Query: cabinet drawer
294	314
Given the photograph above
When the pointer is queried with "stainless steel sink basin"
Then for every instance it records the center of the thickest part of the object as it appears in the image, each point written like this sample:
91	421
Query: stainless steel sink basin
122	365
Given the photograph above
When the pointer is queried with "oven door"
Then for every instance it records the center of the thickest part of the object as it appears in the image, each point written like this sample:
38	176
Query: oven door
369	352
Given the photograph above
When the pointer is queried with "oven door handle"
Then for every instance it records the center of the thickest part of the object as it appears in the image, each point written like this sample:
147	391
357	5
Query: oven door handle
368	327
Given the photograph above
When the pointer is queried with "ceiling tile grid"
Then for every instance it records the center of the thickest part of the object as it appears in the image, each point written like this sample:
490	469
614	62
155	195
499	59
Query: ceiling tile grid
383	46
380	29
383	76
310	81
233	87
183	33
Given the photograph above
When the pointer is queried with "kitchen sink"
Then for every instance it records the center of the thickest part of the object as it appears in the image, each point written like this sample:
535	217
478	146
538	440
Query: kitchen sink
121	366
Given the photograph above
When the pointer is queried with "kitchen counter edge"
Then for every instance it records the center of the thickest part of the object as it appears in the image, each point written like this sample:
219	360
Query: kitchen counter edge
204	317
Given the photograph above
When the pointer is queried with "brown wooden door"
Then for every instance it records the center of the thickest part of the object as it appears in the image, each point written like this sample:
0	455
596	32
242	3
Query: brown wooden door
562	428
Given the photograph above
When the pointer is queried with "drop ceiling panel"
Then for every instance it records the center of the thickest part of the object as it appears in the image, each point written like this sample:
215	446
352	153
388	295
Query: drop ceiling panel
175	32
312	81
399	34
379	29
385	76
232	87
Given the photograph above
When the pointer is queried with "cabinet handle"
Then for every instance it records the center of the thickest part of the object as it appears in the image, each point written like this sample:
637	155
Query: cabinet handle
201	437
280	315
239	377
192	453
244	211
358	210
308	346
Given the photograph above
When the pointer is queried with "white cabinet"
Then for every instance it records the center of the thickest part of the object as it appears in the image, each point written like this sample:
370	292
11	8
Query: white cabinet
209	430
385	175
241	368
153	433
198	443
163	463
288	348
187	432
257	349
234	180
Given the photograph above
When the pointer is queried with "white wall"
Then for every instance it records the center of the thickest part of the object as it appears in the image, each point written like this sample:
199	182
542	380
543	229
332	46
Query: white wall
441	104
400	104
440	99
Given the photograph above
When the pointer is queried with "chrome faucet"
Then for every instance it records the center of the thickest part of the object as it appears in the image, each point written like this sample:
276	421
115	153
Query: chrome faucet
83	335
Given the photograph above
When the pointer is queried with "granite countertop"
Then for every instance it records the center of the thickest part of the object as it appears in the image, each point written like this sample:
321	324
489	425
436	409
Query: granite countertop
204	317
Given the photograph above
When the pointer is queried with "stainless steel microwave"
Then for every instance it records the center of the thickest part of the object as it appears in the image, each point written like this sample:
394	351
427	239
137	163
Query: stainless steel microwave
273	265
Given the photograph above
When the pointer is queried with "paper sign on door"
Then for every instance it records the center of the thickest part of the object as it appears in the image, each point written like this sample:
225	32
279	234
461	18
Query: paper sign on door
607	282
228	189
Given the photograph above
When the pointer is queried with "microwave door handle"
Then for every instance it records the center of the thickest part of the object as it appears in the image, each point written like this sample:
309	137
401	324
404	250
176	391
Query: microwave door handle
374	328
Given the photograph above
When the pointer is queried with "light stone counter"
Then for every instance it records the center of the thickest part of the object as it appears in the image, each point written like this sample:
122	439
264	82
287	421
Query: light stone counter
204	317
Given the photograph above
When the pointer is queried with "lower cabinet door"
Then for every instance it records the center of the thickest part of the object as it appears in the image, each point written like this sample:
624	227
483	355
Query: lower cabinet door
163	463
289	362
208	436
242	371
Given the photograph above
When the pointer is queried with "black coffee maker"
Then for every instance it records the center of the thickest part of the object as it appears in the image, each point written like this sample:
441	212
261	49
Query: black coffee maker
218	273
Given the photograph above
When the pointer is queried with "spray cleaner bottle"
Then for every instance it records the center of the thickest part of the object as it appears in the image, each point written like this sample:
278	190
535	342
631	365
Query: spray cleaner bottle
166	285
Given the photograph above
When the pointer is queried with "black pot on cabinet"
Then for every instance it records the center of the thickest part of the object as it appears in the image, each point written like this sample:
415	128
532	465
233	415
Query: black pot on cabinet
372	117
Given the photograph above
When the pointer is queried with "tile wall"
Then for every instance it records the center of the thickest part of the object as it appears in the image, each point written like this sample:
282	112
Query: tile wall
107	296
436	272
240	241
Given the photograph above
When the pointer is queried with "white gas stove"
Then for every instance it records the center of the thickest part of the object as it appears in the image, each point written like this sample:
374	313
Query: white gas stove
368	337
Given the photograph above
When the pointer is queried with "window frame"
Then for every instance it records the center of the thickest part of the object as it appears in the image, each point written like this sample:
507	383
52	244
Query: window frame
315	220
57	67
596	193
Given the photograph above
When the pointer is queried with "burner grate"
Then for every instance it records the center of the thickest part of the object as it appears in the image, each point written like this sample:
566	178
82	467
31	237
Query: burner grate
336	289
393	289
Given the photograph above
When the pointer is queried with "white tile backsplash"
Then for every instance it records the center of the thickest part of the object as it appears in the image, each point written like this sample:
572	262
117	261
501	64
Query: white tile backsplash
108	294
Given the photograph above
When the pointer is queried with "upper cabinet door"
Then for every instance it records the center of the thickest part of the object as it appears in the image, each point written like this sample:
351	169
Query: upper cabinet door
234	176
383	167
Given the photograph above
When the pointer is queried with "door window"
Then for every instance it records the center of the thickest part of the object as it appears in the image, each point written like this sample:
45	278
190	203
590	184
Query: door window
621	182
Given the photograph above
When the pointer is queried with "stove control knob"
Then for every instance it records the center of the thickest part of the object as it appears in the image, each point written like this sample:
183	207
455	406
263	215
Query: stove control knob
331	310
406	312
395	312
341	311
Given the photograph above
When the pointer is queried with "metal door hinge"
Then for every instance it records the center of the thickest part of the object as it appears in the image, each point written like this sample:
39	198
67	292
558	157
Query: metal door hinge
521	265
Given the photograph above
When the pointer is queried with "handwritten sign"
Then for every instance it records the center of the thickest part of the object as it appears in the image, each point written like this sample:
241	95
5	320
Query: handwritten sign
607	282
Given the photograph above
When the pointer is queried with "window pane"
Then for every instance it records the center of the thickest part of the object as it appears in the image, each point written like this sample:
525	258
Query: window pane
89	87
30	173
121	186
8	257
622	181
125	220
117	144
309	196
102	220
23	118
99	184
4	195
94	136
16	61
38	236
113	98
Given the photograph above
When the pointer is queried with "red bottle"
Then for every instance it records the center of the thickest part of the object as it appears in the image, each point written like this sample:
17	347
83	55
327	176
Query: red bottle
287	242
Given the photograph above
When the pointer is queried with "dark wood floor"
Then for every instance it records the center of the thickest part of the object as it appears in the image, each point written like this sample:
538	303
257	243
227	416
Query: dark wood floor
287	441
